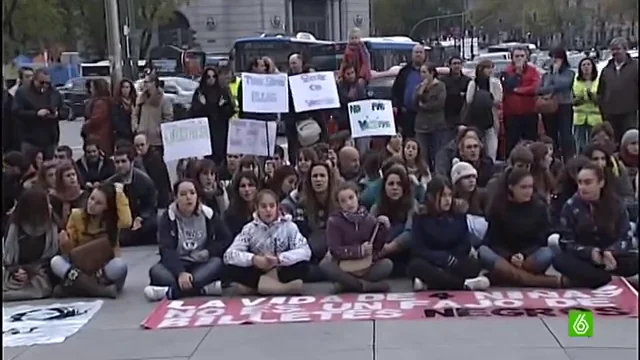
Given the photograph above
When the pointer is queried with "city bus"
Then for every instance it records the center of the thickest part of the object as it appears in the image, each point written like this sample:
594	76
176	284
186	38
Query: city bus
103	68
169	60
384	53
278	47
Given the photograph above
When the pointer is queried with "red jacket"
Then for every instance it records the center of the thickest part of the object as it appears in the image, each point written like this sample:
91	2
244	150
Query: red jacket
522	100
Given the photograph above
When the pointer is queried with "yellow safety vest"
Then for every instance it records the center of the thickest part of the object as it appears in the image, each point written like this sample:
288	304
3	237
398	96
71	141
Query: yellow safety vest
233	88
587	113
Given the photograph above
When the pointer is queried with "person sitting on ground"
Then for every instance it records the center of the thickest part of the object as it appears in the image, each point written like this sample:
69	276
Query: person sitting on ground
349	164
104	215
397	203
47	176
441	247
15	167
447	153
67	194
616	173
414	161
142	196
355	235
544	183
230	167
153	164
63	153
270	255
470	150
306	157
369	195
192	239
515	250
242	196
211	192
594	238
566	187
628	154
556	164
251	163
469	199
285	181
94	166
520	157
30	243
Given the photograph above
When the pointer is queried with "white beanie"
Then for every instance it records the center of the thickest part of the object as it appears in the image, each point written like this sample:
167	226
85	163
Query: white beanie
461	169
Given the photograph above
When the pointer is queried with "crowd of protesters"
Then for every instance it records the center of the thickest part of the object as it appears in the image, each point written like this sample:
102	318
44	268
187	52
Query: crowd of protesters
433	203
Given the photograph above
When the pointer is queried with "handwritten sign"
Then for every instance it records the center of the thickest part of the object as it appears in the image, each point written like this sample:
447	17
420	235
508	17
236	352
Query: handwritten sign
249	137
265	93
314	91
186	138
371	118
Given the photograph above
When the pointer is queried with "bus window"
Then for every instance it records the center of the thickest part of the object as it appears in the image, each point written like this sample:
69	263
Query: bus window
95	70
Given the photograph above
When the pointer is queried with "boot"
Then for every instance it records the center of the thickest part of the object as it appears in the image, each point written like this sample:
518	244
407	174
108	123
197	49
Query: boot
505	271
270	286
375	287
236	289
86	286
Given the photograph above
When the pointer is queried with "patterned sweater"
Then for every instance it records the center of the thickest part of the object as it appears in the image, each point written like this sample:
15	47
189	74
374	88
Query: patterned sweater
280	238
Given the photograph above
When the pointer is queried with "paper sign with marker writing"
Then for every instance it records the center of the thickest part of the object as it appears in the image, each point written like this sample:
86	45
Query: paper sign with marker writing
314	91
371	118
249	137
265	93
186	138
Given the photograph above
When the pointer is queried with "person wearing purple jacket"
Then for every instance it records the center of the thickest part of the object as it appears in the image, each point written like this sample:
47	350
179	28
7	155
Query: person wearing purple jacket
354	234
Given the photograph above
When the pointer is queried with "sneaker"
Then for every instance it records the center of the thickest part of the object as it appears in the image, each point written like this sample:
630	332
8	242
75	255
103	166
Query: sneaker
418	285
213	289
155	293
553	241
477	283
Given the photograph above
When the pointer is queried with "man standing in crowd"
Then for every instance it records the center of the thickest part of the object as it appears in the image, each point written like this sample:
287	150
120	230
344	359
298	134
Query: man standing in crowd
456	83
296	67
152	109
520	82
618	89
37	108
403	89
25	74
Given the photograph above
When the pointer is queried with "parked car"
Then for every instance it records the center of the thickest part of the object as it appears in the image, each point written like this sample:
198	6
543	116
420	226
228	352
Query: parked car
75	95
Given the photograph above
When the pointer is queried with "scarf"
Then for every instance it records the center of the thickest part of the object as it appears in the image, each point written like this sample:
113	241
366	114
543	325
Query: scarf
11	248
629	160
355	217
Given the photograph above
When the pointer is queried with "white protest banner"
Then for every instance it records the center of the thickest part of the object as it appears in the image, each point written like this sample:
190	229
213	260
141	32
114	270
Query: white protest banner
265	93
371	118
186	138
249	137
28	325
314	91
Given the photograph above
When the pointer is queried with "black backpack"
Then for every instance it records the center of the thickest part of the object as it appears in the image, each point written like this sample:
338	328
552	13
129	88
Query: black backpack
479	112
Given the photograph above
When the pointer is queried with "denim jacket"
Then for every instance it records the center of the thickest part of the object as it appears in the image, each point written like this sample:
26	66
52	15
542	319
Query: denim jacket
559	84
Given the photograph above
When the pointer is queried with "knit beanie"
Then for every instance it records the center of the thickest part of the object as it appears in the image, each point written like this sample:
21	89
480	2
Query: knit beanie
630	136
461	169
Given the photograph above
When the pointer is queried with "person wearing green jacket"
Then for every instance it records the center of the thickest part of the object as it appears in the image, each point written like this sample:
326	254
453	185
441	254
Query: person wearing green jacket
586	113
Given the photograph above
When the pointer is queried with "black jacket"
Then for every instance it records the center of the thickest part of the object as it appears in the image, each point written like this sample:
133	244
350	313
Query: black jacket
36	130
153	164
456	90
96	172
218	239
397	90
121	121
523	228
141	193
235	221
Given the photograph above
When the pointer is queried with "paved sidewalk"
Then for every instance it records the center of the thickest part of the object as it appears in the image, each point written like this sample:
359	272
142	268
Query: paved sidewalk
114	333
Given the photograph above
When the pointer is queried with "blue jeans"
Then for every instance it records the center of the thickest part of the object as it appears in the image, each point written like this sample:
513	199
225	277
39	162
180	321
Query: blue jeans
542	258
430	143
115	270
559	127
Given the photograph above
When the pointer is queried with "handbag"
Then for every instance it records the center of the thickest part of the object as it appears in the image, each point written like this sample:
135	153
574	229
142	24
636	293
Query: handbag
93	255
37	286
547	104
360	266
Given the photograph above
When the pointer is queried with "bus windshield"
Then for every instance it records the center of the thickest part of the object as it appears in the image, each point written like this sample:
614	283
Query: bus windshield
277	48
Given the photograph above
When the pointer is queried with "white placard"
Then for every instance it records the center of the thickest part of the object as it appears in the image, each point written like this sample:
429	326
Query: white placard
371	118
265	93
314	91
186	138
28	325
249	137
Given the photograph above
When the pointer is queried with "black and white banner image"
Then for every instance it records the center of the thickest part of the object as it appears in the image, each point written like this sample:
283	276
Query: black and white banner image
27	325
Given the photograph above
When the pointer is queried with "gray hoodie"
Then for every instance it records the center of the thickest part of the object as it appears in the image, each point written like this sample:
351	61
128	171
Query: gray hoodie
192	235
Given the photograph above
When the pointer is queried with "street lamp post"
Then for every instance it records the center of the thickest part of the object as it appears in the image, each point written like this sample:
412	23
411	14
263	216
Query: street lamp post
431	18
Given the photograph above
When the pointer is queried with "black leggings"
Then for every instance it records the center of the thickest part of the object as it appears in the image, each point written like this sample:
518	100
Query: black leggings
584	273
437	278
250	276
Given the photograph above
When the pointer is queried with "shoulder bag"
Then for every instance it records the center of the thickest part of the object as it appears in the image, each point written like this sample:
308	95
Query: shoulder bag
93	255
359	267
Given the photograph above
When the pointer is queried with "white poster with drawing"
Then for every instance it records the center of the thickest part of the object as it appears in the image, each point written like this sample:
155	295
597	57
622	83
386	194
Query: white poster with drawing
186	138
251	137
27	325
265	93
371	118
314	91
